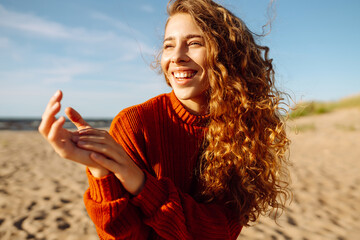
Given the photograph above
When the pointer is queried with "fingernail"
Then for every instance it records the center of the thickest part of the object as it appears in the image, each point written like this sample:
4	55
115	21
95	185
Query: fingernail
57	93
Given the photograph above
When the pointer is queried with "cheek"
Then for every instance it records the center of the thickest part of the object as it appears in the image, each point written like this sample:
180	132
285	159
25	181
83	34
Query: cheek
164	67
164	63
201	60
204	61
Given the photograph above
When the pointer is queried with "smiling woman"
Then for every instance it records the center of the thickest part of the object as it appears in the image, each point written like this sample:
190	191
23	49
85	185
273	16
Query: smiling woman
183	62
200	162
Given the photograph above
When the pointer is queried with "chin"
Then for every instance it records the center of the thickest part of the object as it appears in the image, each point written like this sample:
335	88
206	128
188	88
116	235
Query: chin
187	94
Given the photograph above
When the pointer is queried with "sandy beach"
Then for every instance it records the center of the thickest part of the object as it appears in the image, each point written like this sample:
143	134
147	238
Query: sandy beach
41	194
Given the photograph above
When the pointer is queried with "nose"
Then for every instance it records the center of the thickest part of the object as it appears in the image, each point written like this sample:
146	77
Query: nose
180	54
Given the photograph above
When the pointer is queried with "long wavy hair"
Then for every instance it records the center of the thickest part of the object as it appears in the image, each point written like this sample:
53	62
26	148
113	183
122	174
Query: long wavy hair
244	160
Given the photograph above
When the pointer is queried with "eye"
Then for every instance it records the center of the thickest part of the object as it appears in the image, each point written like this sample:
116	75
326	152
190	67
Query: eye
168	45
195	43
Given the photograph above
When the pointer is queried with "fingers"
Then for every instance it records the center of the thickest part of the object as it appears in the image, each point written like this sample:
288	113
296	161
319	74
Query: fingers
105	162
94	135
90	134
53	135
48	118
91	138
93	131
104	149
100	141
59	139
99	138
55	98
76	119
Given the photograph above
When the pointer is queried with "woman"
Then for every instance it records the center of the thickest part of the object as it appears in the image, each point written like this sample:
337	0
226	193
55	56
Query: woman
199	162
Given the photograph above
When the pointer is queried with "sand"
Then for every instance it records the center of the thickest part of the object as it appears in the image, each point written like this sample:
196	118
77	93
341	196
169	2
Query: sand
41	194
325	154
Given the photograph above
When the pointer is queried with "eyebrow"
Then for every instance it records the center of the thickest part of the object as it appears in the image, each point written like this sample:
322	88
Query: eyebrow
187	37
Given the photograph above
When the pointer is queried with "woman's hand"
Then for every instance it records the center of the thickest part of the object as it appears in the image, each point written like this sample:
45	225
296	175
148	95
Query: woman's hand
61	139
111	155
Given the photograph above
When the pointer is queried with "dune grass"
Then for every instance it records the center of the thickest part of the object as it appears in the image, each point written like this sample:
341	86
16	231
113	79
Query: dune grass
316	108
307	127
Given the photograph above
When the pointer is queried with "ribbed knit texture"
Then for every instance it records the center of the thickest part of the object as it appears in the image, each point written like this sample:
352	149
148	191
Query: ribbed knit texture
164	139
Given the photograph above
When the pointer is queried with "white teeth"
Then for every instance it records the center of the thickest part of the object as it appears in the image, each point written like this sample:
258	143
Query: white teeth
184	74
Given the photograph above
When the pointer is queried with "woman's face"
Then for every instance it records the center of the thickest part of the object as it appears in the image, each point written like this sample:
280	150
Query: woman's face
183	61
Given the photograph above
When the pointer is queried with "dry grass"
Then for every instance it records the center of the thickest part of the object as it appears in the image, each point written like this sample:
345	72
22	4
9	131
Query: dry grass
316	108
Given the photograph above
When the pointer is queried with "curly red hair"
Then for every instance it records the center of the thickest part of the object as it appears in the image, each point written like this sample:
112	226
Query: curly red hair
244	158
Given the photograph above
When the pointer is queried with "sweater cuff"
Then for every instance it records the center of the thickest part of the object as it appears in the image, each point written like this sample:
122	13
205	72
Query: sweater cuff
104	189
153	195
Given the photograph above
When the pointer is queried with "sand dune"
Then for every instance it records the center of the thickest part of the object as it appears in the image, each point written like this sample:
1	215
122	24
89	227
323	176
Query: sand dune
325	153
41	194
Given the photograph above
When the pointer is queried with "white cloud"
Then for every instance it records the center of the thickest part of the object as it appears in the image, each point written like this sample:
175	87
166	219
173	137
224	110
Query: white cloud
60	79
4	42
82	42
147	8
30	23
68	67
116	23
45	28
61	72
84	59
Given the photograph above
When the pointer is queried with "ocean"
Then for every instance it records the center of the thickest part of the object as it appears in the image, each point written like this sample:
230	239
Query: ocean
28	124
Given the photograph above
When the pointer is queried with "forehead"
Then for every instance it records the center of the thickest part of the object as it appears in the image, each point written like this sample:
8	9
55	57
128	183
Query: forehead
181	24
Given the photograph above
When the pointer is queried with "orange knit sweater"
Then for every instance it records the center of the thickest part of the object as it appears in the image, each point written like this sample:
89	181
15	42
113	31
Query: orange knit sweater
163	138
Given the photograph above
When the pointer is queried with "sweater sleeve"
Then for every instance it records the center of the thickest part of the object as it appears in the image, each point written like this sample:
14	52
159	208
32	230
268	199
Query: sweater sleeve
107	204
176	215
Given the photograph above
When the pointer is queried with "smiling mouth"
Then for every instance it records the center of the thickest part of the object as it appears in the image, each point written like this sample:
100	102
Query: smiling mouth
184	74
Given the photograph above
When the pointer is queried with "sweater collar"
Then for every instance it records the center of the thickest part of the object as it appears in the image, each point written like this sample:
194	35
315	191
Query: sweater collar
185	115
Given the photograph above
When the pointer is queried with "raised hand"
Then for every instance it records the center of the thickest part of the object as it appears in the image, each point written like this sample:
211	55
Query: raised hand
61	139
111	155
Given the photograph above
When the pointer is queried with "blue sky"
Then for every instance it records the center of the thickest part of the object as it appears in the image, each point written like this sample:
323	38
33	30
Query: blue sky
99	52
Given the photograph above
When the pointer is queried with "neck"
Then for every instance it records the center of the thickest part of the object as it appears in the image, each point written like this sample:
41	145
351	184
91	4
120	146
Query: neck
196	106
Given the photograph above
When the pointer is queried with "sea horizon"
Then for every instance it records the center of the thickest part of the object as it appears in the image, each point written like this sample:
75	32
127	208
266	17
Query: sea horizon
32	123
